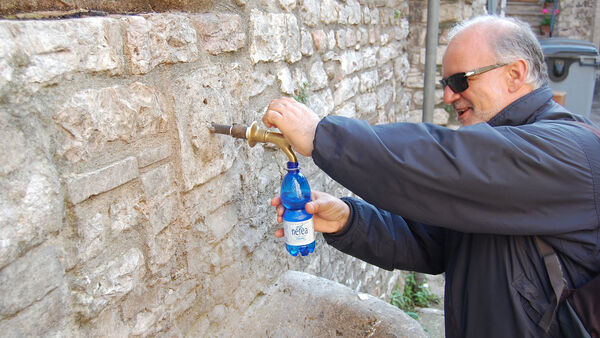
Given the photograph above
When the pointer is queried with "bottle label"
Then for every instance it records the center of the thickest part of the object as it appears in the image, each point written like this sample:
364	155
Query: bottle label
299	233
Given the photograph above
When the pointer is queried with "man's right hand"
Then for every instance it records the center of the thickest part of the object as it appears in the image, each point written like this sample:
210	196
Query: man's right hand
297	123
330	214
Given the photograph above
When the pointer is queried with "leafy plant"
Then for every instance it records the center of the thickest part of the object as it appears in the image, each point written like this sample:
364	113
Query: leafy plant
414	295
301	95
547	18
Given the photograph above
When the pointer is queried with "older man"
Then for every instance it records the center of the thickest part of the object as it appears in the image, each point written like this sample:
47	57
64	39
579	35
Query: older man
467	202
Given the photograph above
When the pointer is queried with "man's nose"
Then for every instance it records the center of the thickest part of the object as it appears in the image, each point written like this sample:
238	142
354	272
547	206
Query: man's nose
450	96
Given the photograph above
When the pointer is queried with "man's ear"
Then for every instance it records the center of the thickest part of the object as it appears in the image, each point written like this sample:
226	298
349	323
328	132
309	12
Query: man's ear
516	75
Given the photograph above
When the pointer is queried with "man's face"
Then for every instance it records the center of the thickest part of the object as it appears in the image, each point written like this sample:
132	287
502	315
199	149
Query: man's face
486	95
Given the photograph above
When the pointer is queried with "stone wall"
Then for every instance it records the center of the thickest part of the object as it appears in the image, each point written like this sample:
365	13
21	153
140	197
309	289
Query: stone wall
577	20
120	214
451	12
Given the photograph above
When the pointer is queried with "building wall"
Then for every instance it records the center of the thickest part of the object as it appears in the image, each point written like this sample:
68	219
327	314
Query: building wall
120	214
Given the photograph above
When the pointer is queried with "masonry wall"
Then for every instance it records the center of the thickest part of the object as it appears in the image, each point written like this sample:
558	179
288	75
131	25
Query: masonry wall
120	214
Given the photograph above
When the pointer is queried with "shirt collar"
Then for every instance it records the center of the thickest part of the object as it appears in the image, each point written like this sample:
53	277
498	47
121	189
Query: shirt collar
522	109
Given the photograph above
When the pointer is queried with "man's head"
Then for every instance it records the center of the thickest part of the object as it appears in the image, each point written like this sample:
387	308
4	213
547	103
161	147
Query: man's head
507	61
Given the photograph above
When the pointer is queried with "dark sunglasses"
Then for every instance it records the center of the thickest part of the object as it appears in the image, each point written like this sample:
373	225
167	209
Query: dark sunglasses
459	82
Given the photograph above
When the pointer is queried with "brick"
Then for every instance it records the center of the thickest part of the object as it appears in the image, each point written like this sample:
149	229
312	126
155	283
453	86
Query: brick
82	186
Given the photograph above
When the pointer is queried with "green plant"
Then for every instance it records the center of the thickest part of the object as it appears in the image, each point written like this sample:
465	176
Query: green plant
414	295
301	95
547	18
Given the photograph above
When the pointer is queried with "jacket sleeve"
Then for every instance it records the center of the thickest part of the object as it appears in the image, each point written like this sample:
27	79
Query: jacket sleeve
529	180
389	241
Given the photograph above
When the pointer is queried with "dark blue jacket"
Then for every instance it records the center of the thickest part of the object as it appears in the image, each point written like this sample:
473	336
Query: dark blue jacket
485	191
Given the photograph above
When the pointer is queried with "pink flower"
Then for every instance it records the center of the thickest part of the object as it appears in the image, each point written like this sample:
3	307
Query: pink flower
556	11
545	11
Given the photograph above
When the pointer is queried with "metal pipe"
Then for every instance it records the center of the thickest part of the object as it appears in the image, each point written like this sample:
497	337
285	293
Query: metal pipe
433	13
255	134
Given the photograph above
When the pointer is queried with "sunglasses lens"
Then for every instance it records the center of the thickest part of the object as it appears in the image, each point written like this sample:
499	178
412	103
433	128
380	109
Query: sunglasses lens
458	82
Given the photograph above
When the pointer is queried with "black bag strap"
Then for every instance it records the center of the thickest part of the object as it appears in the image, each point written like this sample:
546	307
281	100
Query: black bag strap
557	280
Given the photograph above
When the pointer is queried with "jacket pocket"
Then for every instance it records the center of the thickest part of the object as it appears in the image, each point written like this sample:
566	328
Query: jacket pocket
532	298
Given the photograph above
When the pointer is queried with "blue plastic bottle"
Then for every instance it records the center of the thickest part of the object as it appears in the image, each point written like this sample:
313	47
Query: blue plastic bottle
297	223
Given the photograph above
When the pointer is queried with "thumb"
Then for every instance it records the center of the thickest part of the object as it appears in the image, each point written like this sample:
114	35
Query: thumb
312	207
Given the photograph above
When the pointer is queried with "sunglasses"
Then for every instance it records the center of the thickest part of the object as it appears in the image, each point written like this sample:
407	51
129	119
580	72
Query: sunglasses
459	82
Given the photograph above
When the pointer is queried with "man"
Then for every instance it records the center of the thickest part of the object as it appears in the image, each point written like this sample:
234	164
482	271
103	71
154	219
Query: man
469	202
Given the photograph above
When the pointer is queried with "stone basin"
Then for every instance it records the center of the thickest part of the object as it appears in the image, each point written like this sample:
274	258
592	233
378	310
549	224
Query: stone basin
303	305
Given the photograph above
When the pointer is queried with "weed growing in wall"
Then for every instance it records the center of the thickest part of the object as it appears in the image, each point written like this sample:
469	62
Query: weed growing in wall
415	295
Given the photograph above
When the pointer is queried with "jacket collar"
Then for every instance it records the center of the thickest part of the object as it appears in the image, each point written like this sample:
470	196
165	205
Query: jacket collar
522	109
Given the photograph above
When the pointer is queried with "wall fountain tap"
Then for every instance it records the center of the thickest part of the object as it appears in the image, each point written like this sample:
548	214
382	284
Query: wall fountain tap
254	134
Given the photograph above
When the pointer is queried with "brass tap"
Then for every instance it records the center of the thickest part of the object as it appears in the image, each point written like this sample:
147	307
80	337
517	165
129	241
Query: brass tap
254	134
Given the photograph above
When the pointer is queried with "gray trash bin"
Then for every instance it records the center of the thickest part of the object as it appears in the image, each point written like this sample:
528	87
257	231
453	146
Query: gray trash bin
572	66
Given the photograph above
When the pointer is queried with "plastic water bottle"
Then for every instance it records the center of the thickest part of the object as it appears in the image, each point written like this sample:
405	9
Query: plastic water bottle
297	223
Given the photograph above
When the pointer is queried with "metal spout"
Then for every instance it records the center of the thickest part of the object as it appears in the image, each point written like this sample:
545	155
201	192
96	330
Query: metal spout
255	134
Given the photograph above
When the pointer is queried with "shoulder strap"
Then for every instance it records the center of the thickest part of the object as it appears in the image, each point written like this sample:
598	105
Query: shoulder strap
557	280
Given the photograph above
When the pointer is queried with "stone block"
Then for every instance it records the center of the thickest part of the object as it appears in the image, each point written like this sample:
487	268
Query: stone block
48	317
317	75
163	211
351	61
95	287
156	39
385	94
346	89
320	40
31	201
259	81
152	155
309	12
329	12
286	83
94	117
348	109
275	37
366	105
201	97
368	80
220	222
306	43
46	51
350	13
29	279
157	182
220	32
342	311
82	186
321	102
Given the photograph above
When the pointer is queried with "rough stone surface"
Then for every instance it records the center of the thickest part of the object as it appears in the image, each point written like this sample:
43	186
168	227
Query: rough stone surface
220	32
158	38
341	312
92	118
98	181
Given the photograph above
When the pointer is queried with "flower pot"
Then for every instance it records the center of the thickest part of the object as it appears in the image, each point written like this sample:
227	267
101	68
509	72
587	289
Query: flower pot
545	30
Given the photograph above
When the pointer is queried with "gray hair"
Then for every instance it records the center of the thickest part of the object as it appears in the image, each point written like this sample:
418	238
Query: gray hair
511	39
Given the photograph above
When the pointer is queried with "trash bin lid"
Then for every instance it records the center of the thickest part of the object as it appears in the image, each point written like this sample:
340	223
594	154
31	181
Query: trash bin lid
562	46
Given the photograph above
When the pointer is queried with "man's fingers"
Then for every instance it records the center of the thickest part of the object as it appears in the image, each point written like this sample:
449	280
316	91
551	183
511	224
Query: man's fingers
279	233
